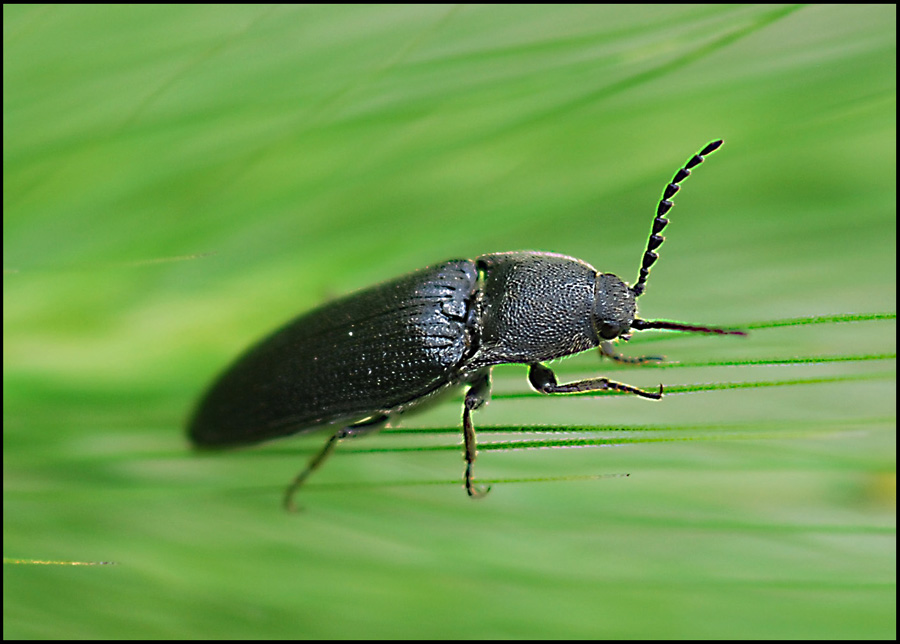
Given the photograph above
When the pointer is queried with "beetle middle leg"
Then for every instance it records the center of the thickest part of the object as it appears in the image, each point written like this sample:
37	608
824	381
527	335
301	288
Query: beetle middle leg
476	396
544	380
359	429
607	349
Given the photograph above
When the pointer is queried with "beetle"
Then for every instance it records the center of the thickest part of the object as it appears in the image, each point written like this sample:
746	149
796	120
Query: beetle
354	363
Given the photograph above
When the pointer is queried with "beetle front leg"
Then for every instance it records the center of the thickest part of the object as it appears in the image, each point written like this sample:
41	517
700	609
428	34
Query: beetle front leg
544	381
607	349
359	429
476	396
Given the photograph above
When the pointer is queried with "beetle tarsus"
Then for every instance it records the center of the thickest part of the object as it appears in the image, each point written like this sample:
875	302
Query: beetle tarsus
474	491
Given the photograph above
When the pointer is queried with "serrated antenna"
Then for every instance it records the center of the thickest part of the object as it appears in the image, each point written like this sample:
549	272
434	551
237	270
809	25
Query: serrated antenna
665	204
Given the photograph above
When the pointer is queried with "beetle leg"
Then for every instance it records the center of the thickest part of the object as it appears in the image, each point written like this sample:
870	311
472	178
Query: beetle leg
476	396
607	349
544	381
359	429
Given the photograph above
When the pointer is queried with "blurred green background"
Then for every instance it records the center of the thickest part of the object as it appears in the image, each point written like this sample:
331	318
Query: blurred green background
179	180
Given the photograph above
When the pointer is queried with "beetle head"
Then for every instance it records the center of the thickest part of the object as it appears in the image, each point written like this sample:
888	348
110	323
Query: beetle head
614	307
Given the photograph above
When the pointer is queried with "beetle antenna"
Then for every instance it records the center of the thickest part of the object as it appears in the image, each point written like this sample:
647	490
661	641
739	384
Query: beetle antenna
642	325
656	239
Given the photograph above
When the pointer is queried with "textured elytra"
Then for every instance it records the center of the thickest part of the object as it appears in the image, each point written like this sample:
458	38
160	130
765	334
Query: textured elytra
371	351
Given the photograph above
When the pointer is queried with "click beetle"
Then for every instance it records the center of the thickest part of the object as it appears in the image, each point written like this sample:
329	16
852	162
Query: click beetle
356	362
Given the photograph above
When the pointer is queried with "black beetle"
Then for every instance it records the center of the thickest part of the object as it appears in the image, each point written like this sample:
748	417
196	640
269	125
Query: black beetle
358	361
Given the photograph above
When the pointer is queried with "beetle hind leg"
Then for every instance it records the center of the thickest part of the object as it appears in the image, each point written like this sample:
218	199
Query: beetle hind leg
544	380
476	396
359	429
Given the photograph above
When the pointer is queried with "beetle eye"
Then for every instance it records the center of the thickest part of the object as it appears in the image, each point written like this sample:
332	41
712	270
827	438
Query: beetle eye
608	331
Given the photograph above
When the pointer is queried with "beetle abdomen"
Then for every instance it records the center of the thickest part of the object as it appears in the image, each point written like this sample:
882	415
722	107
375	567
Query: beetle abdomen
374	351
